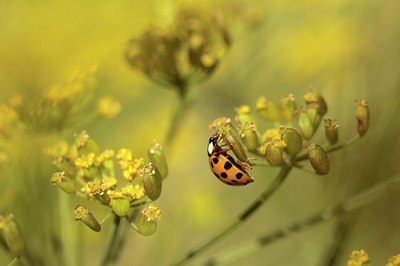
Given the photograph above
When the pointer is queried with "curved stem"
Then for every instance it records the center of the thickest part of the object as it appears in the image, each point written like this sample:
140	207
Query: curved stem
108	258
177	116
349	205
246	214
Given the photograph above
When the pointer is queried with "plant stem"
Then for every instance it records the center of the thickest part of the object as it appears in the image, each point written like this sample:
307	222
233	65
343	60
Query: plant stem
246	214
349	205
67	234
333	148
108	258
177	115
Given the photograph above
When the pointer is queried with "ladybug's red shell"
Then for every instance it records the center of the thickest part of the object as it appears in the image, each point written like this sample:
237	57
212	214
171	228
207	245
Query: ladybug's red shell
225	168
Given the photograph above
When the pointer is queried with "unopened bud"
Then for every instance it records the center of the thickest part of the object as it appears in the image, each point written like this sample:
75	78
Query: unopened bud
331	131
273	152
120	206
249	136
305	125
288	107
314	116
312	98
12	235
83	214
318	158
243	114
362	116
157	157
63	182
235	146
293	140
267	109
85	144
152	181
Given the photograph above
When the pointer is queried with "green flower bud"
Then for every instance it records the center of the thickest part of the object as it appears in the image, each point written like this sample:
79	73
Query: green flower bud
312	98
152	181
85	144
63	182
83	214
120	206
243	114
147	220
235	146
362	116
305	125
249	136
157	157
12	235
314	116
64	165
288	107
318	158
273	152
293	140
331	131
267	109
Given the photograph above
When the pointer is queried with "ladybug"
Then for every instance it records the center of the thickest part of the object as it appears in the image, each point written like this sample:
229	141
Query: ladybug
224	166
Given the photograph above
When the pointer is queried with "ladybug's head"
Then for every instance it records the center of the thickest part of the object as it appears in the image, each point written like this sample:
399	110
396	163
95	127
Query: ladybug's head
212	143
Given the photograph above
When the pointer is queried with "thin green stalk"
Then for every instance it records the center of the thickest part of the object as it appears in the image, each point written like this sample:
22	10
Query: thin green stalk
333	148
67	234
349	205
177	116
246	214
109	258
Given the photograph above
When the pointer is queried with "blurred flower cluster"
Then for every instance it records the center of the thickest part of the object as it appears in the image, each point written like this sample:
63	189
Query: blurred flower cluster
361	258
186	52
293	127
63	105
84	170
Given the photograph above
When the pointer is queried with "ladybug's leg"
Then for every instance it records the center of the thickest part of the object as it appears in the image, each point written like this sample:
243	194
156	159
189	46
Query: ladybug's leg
248	165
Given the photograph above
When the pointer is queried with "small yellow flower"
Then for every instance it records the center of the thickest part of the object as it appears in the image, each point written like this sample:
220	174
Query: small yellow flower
58	149
85	161
133	192
124	156
271	134
220	122
133	167
96	187
105	155
152	213
358	258
108	107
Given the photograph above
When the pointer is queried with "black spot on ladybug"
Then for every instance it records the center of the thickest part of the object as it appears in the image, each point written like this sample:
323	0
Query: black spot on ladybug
227	166
234	181
215	160
216	175
239	175
224	175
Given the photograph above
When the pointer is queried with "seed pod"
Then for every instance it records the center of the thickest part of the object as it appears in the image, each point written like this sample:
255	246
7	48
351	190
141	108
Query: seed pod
305	125
249	136
152	181
318	158
293	140
157	157
64	165
331	131
63	182
314	116
267	109
273	153
312	98
120	206
144	226
288	107
147	220
235	146
13	235
362	116
83	214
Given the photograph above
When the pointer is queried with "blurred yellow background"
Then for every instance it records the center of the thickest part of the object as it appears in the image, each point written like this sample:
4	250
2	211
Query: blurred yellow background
348	50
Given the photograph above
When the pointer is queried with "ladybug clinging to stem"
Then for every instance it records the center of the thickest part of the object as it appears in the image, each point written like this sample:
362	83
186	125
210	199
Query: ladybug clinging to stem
224	166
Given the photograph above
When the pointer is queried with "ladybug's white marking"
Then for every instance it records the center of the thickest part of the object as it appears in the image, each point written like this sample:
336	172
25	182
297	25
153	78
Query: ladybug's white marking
210	148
